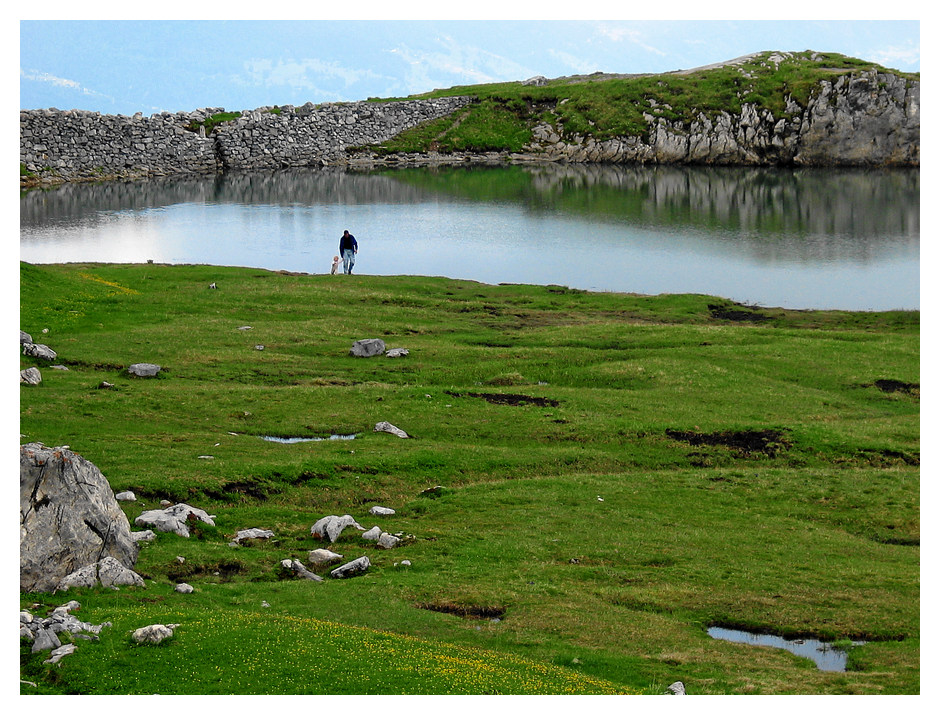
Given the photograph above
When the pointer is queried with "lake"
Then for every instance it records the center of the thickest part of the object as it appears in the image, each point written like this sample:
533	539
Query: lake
794	238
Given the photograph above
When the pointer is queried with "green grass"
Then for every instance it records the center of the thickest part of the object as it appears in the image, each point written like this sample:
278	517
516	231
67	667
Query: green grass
603	505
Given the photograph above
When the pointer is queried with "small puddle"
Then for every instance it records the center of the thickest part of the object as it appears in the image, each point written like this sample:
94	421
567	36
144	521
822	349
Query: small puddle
823	654
295	440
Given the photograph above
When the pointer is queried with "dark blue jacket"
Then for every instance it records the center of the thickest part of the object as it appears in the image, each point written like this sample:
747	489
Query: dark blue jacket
348	241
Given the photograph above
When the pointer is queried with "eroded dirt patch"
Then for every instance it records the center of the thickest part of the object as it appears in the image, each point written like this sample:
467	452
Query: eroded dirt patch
766	441
508	399
738	313
889	386
464	610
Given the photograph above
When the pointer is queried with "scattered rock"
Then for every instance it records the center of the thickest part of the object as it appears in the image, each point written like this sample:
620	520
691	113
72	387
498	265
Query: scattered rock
183	588
388	541
332	526
396	352
144	369
298	569
372	534
253	534
25	338
125	496
390	428
60	652
173	519
323	556
109	572
537	81
369	347
353	568
381	511
105	385
38	350
147	535
69	517
59	367
31	376
245	327
676	688
259	347
154	634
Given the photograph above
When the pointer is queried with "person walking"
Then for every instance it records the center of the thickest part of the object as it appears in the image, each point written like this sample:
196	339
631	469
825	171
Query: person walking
348	248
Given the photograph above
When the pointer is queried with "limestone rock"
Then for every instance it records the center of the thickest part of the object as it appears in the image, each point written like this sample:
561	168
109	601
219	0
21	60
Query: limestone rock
396	352
253	534
69	518
173	519
154	634
125	496
37	350
381	511
676	688
353	568
183	588
323	556
372	534
388	541
109	572
298	569
31	376
332	526
391	429
144	369
369	347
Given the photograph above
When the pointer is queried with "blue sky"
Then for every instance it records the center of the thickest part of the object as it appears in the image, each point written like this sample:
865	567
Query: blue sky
124	67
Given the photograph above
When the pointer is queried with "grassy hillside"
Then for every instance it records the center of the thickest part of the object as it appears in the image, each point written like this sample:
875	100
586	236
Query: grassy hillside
617	473
605	106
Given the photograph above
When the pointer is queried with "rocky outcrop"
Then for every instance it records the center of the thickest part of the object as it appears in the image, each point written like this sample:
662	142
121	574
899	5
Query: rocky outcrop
69	518
872	119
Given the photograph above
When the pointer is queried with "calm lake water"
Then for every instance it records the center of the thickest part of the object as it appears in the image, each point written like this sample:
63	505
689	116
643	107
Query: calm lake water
847	239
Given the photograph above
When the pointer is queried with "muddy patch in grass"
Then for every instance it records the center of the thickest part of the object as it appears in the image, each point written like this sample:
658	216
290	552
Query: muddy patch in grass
508	399
765	441
890	386
737	313
465	610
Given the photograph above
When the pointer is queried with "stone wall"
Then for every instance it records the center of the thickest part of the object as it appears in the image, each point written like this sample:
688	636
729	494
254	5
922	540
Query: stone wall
76	145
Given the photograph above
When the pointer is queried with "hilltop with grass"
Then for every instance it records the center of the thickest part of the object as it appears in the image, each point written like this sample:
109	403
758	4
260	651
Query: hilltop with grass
590	482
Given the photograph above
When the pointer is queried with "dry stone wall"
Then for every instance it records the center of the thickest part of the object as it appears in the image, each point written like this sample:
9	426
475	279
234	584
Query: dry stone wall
76	145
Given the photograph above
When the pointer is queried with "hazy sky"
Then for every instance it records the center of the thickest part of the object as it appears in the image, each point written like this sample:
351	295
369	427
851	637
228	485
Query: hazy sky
124	67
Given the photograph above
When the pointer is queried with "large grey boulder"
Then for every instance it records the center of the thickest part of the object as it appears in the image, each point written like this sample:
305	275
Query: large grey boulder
369	347
69	517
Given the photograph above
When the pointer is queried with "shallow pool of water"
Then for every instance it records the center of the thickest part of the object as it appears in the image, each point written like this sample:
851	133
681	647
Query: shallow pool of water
823	654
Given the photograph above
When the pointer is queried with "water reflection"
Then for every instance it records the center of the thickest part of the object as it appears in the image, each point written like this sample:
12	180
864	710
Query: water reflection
797	238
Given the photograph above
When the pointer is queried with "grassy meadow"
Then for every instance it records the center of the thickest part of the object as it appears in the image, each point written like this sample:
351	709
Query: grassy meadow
617	474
